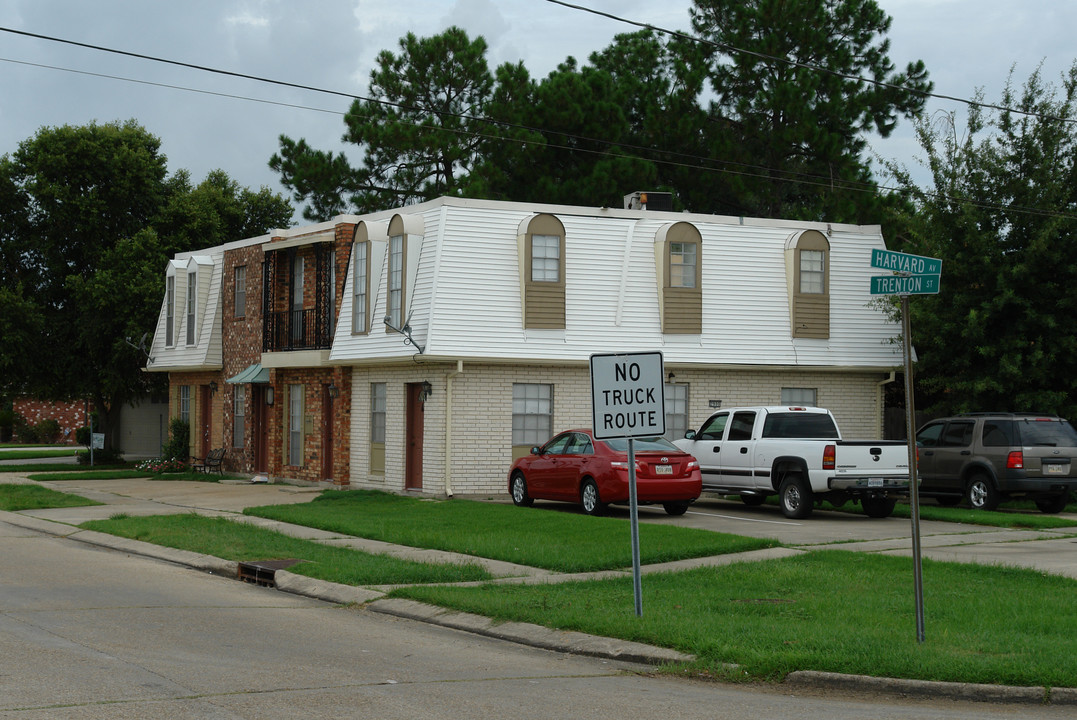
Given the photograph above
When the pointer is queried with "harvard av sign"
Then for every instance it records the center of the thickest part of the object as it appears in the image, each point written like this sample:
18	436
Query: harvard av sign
627	395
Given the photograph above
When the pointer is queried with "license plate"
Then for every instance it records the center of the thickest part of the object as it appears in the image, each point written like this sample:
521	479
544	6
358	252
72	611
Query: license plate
1056	468
875	482
663	469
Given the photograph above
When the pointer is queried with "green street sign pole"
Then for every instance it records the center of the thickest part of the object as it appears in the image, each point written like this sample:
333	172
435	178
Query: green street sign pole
914	490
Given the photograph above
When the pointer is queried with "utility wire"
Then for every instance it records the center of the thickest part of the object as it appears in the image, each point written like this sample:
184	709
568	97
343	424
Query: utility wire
700	163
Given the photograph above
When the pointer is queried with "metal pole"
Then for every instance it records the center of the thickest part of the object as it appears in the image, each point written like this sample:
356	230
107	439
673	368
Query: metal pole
637	587
914	490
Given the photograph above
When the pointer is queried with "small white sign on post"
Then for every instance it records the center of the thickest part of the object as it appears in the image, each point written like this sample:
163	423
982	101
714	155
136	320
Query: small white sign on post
97	441
628	401
627	395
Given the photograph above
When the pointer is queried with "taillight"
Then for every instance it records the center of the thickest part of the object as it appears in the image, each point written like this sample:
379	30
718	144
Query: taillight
692	465
828	457
1015	460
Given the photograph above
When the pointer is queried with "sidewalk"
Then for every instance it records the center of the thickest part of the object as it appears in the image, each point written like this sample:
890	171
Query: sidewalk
229	498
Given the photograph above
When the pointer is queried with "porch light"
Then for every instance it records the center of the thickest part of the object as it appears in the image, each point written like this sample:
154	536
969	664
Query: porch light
425	391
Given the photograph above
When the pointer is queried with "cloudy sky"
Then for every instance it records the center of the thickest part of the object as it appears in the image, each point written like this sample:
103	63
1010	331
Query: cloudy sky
208	121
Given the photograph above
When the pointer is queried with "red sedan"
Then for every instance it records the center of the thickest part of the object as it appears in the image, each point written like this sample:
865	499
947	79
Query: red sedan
575	467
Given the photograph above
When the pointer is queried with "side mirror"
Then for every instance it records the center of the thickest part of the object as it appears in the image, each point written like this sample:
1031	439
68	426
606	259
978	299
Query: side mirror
536	450
690	435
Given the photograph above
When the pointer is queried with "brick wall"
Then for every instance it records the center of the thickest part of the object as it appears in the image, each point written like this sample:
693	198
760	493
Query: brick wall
70	415
480	442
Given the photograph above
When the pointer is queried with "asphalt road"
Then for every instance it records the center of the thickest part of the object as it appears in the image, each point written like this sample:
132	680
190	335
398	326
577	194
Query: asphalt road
91	633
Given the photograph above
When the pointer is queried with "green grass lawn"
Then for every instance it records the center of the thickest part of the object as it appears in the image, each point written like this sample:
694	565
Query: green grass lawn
563	542
34	497
44	452
32	467
826	610
231	540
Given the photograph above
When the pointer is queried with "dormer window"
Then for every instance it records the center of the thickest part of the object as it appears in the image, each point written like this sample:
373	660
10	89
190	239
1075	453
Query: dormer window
808	265
192	287
395	308
678	264
542	265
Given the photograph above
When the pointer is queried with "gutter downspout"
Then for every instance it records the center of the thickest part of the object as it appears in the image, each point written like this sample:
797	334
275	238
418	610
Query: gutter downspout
880	399
448	425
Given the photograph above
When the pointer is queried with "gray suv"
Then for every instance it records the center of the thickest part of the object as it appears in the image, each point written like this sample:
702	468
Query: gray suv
985	457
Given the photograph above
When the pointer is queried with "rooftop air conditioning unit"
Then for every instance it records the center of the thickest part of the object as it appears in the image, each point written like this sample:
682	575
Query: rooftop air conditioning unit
649	201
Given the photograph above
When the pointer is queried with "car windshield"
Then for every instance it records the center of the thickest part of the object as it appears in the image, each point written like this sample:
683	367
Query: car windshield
653	444
1050	433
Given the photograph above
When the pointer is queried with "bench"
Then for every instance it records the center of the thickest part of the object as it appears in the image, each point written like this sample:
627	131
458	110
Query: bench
212	461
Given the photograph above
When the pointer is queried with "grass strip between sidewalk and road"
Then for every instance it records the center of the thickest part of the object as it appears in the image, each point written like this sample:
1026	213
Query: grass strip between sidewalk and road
559	541
34	497
230	540
826	610
36	454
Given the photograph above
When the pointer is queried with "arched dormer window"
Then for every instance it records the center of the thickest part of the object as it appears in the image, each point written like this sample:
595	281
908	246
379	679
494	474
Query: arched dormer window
808	272
405	238
678	249
542	268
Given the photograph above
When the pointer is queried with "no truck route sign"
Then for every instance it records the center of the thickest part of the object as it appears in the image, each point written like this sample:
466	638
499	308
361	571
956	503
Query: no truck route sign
627	395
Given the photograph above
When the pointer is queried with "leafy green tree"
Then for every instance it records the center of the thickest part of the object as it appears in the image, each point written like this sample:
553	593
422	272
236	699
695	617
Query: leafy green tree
558	140
1001	212
420	130
88	220
791	108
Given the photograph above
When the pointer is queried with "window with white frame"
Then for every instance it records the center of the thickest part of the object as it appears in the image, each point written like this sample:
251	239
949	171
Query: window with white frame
798	396
377	412
545	258
532	413
185	403
295	425
812	272
239	409
240	274
192	285
395	308
676	410
359	284
682	264
170	311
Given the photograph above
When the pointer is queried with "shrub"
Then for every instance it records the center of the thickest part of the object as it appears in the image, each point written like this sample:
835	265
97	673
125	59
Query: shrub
158	466
179	439
108	455
25	432
48	430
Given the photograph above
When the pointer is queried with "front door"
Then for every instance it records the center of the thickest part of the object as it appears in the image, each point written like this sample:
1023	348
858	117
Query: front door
205	421
327	433
413	451
259	429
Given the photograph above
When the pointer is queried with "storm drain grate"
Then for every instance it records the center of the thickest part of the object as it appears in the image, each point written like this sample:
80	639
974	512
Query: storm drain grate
263	572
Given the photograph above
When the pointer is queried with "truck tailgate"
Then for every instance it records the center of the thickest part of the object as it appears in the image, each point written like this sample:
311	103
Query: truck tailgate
871	463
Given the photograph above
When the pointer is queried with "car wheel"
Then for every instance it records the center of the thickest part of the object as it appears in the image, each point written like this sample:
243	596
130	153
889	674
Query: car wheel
878	507
675	508
592	504
752	499
1053	504
519	491
795	497
982	494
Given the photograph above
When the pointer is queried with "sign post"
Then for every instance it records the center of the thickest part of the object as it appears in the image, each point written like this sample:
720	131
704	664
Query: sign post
628	401
911	275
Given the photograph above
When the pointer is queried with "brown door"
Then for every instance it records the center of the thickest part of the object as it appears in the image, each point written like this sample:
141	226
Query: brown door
259	429
205	435
327	434
413	456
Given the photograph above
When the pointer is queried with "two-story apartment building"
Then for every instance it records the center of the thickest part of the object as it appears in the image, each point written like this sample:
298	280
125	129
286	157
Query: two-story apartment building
423	348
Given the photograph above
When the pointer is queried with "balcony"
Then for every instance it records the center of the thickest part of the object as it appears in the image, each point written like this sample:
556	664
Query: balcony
297	304
295	330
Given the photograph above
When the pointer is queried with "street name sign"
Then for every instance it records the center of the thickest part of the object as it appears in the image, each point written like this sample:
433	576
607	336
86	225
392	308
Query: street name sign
905	263
627	395
905	284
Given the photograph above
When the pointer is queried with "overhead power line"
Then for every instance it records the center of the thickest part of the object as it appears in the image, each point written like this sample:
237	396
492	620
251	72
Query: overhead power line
696	162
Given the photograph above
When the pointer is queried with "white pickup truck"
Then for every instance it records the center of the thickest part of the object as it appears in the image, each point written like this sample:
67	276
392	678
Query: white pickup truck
798	454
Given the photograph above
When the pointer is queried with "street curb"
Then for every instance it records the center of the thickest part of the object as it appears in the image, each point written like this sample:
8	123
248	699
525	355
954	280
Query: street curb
539	636
529	634
972	692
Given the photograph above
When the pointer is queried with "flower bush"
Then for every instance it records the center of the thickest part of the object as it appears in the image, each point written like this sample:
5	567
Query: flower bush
158	466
